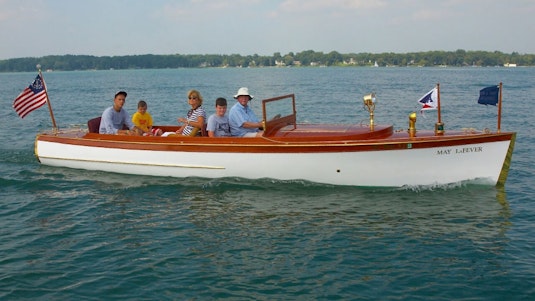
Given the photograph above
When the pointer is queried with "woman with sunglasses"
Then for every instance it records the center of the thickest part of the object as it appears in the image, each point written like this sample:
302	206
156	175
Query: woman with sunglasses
196	117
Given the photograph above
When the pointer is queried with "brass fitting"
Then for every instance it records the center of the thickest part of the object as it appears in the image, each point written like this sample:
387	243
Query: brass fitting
412	124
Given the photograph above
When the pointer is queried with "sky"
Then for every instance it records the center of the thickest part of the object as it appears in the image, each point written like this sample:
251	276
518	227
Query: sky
131	27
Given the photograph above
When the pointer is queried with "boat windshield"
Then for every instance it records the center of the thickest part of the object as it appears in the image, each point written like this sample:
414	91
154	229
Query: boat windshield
278	112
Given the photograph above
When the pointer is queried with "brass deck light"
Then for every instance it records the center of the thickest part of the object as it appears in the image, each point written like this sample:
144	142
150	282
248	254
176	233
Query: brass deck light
369	105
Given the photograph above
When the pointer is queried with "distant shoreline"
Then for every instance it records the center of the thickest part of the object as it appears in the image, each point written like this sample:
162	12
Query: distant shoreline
309	58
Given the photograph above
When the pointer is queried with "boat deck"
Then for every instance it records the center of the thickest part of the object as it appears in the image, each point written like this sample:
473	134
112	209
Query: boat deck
330	132
299	133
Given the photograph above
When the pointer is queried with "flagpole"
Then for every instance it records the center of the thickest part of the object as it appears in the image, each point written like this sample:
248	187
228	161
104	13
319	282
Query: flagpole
439	126
48	100
500	108
438	103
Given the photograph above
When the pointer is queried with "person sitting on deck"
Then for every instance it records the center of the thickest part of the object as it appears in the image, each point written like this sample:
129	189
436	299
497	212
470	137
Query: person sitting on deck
196	117
143	120
218	124
115	118
242	119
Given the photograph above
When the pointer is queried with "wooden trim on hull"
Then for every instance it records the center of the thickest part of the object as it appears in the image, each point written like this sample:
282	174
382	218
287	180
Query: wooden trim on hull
268	145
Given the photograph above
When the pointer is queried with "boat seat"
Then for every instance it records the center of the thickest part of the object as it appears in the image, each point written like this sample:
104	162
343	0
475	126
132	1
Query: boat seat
94	124
204	132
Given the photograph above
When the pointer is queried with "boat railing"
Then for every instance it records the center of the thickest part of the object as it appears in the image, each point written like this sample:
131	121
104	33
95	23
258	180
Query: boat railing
278	112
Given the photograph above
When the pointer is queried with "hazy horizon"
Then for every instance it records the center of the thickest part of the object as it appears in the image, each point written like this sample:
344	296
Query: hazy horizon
163	27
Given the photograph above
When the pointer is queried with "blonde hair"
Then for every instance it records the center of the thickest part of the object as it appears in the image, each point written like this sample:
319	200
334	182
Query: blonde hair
197	94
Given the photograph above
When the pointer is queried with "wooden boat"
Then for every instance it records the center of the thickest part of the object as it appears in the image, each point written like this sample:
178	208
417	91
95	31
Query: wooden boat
350	154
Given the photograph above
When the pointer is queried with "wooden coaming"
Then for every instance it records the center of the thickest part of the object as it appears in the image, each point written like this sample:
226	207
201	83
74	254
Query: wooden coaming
289	139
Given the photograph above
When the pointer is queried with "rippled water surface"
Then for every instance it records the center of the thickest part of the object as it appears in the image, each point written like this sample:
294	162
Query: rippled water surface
71	234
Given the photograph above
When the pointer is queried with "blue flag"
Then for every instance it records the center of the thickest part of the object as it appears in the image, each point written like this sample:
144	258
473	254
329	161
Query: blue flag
489	95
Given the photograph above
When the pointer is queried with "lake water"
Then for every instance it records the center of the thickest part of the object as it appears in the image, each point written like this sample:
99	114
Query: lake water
72	234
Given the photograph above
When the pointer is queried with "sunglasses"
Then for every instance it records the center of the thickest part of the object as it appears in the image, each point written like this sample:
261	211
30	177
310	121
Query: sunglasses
193	97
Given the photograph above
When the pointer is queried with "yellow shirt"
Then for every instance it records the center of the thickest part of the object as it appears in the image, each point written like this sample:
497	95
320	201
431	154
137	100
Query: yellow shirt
142	121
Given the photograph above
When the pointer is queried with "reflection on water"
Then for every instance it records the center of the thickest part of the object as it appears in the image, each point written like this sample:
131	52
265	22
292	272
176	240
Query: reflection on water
472	211
274	208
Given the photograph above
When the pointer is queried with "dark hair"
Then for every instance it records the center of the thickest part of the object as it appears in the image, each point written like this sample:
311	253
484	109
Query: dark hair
141	104
221	102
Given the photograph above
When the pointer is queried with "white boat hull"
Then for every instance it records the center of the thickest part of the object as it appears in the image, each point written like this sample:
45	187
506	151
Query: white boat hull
390	168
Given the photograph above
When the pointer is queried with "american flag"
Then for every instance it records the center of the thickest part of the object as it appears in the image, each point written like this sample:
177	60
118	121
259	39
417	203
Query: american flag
33	97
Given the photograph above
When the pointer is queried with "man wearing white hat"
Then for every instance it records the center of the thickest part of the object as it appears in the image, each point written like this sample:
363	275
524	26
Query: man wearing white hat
243	121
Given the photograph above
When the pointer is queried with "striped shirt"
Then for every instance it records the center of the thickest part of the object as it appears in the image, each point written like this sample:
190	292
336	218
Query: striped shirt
193	115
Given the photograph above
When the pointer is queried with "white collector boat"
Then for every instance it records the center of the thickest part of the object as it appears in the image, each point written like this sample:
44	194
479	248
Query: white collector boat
351	154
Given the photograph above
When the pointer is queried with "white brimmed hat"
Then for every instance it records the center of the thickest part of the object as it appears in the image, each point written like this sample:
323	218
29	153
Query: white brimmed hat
243	91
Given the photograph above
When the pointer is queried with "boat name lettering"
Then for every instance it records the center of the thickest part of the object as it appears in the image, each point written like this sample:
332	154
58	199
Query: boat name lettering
444	152
462	150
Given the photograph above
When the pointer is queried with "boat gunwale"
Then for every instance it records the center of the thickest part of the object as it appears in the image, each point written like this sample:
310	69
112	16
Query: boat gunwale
398	141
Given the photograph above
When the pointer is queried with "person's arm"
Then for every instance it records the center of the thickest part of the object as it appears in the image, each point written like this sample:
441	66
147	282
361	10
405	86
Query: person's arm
252	125
150	123
133	130
211	125
128	122
184	122
197	123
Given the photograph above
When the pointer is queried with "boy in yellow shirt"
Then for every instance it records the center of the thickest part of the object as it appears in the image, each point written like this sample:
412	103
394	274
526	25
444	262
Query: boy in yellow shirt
143	120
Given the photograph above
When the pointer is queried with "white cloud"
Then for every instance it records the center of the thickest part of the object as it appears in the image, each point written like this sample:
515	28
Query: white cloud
12	10
319	5
428	15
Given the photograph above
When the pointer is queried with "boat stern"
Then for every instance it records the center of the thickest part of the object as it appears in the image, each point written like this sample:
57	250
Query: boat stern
507	162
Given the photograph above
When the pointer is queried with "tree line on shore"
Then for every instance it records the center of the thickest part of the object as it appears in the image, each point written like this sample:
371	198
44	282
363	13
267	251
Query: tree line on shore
458	58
